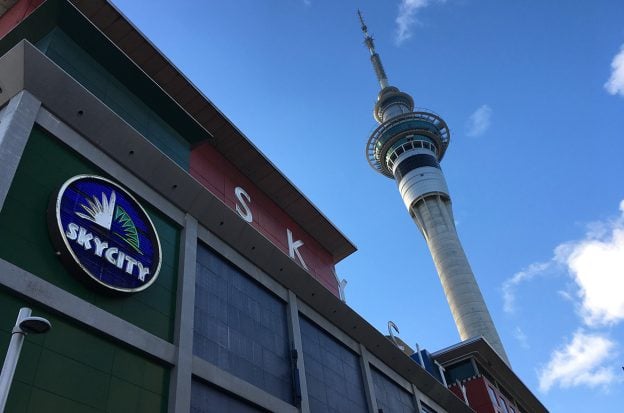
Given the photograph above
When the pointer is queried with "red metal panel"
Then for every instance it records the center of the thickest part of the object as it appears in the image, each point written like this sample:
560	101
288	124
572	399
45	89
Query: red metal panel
476	392
20	10
221	178
207	168
478	396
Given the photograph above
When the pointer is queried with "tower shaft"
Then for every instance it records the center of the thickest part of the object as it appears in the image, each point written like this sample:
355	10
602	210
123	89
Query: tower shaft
408	146
434	216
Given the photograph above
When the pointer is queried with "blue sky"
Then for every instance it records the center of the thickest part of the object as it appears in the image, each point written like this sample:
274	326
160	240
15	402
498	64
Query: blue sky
533	92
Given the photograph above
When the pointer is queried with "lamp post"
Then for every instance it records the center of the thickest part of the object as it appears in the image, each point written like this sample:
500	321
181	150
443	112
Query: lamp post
25	324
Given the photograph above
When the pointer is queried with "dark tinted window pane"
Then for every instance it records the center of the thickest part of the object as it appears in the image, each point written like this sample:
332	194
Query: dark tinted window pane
333	373
240	326
492	396
426	409
459	371
413	162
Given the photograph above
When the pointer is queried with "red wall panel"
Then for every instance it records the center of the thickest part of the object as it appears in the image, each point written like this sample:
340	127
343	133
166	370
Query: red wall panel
477	395
479	398
20	10
221	178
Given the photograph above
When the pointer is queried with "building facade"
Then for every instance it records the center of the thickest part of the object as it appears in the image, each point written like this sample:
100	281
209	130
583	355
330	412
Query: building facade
474	371
181	271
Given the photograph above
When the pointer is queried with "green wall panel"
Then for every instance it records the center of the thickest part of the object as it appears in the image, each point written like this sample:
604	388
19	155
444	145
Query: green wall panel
24	240
73	369
79	64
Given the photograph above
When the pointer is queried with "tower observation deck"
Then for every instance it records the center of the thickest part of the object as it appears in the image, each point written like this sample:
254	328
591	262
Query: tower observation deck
407	146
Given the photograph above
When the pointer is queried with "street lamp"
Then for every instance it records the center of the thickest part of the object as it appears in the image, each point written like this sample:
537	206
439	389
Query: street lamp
25	324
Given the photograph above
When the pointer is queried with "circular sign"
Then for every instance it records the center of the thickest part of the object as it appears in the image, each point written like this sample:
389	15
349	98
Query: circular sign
107	233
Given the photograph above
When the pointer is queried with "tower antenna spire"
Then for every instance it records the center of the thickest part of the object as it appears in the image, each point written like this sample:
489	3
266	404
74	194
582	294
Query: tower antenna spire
375	59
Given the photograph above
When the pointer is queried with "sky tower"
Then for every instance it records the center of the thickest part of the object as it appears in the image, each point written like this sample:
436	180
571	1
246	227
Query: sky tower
407	146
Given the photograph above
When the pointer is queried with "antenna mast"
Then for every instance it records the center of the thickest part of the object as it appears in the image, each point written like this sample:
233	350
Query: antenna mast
375	60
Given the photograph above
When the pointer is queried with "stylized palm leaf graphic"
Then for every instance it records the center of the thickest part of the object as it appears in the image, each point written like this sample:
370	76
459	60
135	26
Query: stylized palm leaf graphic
130	234
98	212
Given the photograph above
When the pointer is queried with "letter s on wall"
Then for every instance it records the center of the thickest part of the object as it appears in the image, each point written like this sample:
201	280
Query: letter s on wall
241	207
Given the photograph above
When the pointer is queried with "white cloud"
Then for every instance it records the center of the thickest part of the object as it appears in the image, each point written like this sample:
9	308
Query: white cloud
615	84
580	362
407	17
480	121
596	264
566	295
522	338
509	286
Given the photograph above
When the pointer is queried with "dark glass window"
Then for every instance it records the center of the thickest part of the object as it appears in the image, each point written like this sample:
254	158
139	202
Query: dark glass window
413	162
209	399
240	326
426	409
460	371
333	373
492	394
503	405
391	398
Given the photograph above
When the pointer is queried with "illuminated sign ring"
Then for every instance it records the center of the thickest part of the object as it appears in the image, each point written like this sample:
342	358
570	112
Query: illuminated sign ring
107	233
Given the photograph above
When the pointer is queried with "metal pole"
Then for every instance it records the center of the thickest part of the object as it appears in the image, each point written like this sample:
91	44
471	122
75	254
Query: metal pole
420	357
441	370
10	362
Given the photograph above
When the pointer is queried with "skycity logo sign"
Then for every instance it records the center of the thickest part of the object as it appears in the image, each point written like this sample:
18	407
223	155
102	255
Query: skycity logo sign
106	234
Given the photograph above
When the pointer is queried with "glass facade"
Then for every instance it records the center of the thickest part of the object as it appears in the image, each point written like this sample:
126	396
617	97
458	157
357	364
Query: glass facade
333	373
240	326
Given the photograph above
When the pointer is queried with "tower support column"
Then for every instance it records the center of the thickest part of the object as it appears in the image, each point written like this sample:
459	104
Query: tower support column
434	216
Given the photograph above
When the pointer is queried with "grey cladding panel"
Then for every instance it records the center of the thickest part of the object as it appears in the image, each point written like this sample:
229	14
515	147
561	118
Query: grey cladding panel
333	373
240	326
209	399
390	397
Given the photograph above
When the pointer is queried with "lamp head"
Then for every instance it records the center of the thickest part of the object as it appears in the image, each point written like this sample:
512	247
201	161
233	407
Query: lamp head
35	325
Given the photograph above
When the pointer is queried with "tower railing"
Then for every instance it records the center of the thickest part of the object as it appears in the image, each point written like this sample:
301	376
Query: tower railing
375	159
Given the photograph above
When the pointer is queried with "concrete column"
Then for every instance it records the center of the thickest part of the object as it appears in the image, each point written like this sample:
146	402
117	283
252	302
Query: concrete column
181	373
367	378
294	332
16	122
434	217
